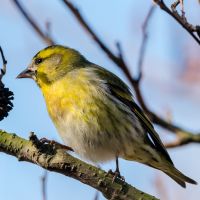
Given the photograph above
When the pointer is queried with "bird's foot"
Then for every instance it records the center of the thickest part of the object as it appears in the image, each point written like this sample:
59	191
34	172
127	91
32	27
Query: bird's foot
57	144
116	175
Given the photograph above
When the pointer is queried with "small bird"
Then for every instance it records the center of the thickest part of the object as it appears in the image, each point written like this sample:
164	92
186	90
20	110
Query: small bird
95	113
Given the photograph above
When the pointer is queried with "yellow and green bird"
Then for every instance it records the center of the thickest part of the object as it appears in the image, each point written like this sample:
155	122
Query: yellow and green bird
95	113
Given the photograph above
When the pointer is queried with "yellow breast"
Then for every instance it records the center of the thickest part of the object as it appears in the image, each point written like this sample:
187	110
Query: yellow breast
72	94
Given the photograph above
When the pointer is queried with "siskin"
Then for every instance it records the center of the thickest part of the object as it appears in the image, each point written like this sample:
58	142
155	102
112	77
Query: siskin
95	113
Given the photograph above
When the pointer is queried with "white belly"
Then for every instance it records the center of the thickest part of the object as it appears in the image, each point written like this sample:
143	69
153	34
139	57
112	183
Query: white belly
101	138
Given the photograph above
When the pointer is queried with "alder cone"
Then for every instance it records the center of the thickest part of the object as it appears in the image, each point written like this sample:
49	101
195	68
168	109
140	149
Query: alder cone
6	97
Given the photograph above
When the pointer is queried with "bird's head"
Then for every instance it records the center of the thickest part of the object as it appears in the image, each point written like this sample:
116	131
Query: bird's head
52	63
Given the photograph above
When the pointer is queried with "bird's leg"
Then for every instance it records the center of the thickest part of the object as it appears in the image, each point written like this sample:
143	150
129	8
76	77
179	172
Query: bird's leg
57	144
117	166
116	174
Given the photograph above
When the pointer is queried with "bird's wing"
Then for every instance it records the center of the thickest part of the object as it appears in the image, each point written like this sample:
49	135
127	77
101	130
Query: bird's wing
121	91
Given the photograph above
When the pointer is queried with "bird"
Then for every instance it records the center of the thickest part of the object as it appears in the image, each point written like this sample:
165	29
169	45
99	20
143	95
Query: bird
95	112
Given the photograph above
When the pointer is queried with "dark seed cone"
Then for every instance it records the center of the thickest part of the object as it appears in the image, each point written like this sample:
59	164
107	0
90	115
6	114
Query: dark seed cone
6	96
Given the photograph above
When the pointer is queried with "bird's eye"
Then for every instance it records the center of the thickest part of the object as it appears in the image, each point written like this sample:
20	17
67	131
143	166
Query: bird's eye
38	61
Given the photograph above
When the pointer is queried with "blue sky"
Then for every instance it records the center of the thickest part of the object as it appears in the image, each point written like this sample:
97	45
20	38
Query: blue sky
113	20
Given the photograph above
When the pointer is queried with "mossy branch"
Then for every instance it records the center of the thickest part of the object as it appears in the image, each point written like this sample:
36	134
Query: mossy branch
57	160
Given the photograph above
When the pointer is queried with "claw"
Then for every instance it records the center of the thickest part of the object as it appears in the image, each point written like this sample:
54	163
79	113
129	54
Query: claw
57	144
116	175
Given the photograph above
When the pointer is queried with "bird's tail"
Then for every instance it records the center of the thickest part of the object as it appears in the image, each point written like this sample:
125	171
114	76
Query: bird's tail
178	176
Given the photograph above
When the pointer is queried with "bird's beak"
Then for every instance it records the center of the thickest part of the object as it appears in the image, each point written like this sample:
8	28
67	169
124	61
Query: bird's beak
27	73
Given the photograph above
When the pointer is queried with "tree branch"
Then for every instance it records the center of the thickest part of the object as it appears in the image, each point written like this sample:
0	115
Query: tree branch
57	160
180	19
183	139
47	39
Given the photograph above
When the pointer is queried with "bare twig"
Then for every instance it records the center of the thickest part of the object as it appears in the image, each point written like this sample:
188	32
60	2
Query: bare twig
48	29
144	41
96	196
182	8
3	70
180	19
175	4
35	26
44	185
183	138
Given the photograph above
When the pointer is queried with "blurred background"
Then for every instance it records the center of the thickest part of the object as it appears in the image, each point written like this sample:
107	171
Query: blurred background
170	87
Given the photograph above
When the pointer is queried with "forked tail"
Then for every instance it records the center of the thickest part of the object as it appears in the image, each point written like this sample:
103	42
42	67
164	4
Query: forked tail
179	177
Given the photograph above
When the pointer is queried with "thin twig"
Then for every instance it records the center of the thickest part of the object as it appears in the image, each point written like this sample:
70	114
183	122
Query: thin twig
48	29
3	70
182	8
183	139
96	196
44	185
181	20
144	41
35	26
175	4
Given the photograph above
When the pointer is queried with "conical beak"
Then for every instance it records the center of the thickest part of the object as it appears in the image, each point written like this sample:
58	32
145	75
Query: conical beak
27	73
